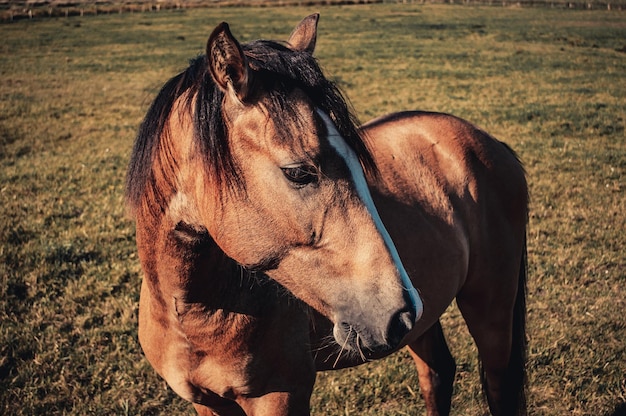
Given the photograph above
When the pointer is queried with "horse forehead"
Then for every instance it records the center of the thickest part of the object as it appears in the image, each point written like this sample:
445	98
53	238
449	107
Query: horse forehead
261	128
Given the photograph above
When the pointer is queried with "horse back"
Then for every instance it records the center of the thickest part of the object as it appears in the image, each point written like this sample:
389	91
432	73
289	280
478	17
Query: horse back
444	162
451	152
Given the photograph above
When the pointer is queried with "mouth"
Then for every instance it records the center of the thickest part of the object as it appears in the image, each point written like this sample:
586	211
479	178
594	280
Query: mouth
358	344
351	343
367	344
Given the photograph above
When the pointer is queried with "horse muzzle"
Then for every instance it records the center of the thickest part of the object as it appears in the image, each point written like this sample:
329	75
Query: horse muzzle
376	337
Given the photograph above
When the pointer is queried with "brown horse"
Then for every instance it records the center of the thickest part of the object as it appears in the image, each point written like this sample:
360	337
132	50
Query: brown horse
277	239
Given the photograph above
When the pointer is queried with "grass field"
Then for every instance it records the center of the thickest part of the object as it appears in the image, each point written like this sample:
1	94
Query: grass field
551	83
11	10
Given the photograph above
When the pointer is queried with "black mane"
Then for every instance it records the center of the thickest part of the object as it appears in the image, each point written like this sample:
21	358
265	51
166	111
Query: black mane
276	70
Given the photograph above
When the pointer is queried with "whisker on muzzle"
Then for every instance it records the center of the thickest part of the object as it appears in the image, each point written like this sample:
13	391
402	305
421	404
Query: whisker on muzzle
343	346
358	347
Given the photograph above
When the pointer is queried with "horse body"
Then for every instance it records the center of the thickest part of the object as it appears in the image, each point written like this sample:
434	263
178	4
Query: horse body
448	210
455	202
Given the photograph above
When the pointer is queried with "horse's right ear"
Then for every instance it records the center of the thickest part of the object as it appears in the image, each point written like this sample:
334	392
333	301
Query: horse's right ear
227	63
304	36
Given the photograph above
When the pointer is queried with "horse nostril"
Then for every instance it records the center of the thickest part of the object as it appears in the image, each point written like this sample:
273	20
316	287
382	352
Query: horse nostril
400	325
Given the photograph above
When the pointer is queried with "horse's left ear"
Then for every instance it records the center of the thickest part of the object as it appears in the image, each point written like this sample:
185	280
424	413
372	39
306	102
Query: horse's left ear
304	35
227	63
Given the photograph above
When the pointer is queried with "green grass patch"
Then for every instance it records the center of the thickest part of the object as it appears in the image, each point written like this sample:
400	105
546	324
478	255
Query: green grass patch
73	91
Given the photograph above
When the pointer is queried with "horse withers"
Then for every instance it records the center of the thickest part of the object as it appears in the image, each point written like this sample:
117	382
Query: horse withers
278	239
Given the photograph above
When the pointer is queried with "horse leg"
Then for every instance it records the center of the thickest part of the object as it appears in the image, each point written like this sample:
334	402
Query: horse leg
277	404
435	368
227	410
498	328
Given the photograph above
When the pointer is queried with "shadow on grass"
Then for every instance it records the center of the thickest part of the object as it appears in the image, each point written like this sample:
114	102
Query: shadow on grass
620	410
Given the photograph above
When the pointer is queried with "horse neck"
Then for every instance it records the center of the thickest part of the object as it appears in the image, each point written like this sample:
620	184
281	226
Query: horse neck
195	270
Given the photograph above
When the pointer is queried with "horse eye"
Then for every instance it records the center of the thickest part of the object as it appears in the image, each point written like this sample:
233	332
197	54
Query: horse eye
301	175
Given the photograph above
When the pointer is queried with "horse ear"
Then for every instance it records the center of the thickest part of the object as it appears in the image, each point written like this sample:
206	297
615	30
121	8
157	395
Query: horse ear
227	63
304	35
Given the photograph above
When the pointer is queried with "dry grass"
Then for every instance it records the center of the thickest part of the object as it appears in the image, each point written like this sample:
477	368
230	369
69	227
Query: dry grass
72	92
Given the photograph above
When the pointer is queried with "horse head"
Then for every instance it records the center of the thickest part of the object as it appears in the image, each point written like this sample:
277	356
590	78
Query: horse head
273	167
